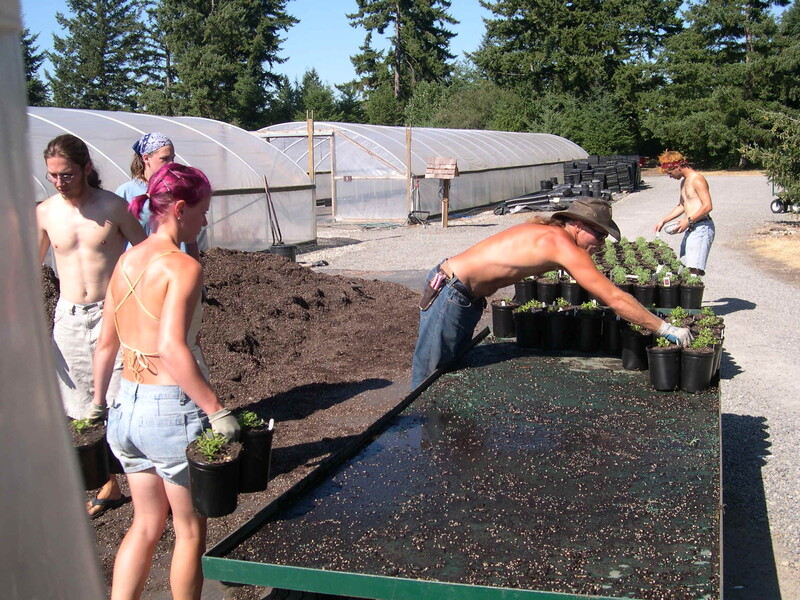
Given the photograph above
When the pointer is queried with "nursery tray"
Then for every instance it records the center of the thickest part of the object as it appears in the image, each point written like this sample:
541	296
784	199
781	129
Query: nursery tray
519	476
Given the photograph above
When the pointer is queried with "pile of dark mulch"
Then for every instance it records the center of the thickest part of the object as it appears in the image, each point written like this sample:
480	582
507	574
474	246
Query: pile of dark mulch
270	326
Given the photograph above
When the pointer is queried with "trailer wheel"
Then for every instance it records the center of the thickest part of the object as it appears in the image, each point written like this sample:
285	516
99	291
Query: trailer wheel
777	206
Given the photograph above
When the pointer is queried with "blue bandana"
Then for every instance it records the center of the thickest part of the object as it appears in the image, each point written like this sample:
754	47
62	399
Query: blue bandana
150	142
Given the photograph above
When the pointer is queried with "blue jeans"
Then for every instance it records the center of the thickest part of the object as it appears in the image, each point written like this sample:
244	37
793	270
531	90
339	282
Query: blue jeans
696	244
445	328
149	426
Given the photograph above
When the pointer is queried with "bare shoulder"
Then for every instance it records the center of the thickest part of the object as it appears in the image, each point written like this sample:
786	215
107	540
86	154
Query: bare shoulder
44	208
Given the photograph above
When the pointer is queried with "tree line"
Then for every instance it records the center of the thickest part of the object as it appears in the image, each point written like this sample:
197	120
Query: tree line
716	79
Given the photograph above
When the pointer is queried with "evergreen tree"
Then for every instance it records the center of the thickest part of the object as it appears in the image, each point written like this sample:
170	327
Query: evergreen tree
419	44
33	59
220	52
156	89
576	47
317	97
780	154
98	63
709	99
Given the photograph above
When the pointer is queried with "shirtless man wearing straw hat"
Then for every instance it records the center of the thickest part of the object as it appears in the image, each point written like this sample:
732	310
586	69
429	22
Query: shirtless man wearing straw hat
455	293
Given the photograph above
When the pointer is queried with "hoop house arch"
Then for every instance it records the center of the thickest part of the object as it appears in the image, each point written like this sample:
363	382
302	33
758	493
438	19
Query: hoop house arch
240	166
376	172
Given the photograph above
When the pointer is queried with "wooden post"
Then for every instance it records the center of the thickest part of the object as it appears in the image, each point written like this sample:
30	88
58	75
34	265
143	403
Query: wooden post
445	200
409	191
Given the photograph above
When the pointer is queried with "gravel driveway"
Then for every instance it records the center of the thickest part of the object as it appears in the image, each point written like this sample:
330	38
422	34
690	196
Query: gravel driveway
760	399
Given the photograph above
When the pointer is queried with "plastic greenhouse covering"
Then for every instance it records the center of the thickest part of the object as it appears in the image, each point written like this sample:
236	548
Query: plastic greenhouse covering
374	172
235	161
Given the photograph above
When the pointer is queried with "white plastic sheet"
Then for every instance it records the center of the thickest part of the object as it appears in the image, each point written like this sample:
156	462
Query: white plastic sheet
48	548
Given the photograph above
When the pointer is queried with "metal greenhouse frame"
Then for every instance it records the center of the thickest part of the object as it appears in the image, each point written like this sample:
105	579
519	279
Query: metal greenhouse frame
243	170
375	172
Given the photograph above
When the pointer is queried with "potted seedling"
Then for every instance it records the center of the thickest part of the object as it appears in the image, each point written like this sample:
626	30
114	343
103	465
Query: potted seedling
589	326
571	290
679	317
664	365
256	451
525	290
644	290
620	278
89	440
547	287
529	324
213	473
668	289
503	317
697	362
635	340
692	291
559	322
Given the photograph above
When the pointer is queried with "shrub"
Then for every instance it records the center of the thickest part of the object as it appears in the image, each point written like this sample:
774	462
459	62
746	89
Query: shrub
618	275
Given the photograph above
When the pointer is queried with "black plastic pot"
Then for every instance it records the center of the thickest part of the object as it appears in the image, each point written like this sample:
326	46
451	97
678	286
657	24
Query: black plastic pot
530	328
93	459
525	290
546	291
287	250
588	329
214	487
559	330
503	318
645	294
573	293
668	296
255	461
692	296
611	336
664	365
696	369
634	349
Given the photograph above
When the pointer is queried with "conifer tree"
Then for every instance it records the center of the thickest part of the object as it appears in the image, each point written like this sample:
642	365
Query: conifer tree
419	45
98	64
222	53
33	59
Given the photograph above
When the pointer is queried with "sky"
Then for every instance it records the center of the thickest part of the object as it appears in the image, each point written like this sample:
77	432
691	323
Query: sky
323	39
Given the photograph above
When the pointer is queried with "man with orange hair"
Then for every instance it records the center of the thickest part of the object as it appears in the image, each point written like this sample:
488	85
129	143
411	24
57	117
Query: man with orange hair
695	205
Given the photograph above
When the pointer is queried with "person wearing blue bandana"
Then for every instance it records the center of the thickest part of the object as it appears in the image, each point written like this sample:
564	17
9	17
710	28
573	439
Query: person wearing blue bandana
151	152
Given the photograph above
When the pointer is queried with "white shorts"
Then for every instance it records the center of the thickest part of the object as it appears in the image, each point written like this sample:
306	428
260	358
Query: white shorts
76	328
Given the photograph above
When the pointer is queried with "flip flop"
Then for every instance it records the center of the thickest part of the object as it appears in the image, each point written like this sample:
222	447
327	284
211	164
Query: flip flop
107	504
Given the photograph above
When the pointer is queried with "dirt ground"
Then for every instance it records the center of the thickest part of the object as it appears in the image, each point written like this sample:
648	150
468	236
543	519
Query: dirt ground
323	355
777	248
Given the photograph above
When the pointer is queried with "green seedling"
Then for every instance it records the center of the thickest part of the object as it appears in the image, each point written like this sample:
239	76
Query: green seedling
638	328
663	342
704	339
692	279
550	276
678	315
562	303
618	275
589	306
209	443
250	420
82	425
643	276
528	306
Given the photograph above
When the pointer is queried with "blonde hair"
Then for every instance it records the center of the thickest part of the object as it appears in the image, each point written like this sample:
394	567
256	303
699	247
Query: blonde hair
540	220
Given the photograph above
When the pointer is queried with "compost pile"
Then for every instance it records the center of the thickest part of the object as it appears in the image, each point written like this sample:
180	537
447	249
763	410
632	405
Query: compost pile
294	345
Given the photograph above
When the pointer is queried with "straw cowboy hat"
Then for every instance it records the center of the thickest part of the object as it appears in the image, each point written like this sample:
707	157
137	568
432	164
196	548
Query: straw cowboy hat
591	211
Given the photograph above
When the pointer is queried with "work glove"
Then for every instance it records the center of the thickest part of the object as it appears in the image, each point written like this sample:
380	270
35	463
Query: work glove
96	413
225	423
676	335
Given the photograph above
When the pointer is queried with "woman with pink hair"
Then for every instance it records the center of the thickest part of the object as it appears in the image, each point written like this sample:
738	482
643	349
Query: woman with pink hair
153	310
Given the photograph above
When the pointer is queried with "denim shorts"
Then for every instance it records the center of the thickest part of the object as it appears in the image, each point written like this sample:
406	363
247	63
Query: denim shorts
696	244
149	426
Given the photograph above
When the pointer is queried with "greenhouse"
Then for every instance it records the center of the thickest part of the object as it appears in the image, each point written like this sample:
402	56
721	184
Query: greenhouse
244	171
376	173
